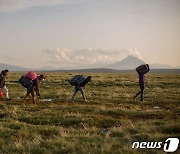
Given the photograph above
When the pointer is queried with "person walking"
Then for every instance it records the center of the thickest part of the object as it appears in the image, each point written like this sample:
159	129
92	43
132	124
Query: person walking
3	83
141	85
81	88
34	88
141	70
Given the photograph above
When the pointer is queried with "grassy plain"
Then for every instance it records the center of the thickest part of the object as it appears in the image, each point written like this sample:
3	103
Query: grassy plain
109	123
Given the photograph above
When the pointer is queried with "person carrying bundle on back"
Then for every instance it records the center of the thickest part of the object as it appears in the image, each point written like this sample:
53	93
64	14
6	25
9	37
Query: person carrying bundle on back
141	70
79	82
3	83
31	82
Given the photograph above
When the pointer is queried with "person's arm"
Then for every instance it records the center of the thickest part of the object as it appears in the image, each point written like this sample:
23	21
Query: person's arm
1	77
36	85
148	67
1	81
83	84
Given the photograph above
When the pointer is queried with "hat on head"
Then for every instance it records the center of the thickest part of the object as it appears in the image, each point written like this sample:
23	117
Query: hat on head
4	72
42	76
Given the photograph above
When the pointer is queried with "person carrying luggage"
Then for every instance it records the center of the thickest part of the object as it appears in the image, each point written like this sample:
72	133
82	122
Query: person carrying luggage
141	70
34	88
79	82
3	83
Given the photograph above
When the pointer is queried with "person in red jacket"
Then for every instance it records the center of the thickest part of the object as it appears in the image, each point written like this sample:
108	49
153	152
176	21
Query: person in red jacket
34	90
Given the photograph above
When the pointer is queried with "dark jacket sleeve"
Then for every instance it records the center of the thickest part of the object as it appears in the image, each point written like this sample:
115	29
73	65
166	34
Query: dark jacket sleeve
36	84
2	81
83	84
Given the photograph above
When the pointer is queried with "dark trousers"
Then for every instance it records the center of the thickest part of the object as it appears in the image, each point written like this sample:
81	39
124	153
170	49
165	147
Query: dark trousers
78	88
32	92
141	85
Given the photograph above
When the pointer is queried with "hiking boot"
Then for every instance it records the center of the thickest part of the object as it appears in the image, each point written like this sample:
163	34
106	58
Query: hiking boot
8	100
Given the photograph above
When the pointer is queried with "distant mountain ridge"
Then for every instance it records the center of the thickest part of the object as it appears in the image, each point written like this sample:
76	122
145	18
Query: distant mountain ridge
106	70
161	66
13	67
129	63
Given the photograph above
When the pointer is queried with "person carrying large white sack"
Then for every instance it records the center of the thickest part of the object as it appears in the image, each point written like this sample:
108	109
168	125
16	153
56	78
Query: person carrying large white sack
31	82
3	83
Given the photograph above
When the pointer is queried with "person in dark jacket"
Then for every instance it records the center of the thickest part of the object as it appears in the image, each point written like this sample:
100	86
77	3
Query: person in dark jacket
3	83
34	90
141	85
81	88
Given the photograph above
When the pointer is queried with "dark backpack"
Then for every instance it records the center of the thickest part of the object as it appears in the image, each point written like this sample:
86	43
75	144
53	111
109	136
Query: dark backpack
143	69
26	82
77	80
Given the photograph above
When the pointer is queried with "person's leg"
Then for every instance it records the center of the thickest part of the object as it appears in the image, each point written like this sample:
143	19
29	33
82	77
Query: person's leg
29	91
33	96
137	94
83	93
27	94
76	89
142	90
5	90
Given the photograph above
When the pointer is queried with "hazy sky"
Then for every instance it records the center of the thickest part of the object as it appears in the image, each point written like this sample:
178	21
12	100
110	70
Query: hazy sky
70	33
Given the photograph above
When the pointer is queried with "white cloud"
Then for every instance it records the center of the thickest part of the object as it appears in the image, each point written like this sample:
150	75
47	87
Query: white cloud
88	57
16	5
58	55
134	52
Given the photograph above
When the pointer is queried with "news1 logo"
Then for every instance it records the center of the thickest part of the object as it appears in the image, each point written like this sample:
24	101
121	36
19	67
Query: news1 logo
170	145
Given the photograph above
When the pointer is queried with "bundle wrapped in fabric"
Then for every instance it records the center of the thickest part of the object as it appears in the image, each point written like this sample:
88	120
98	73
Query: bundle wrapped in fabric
31	75
143	69
77	80
26	82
